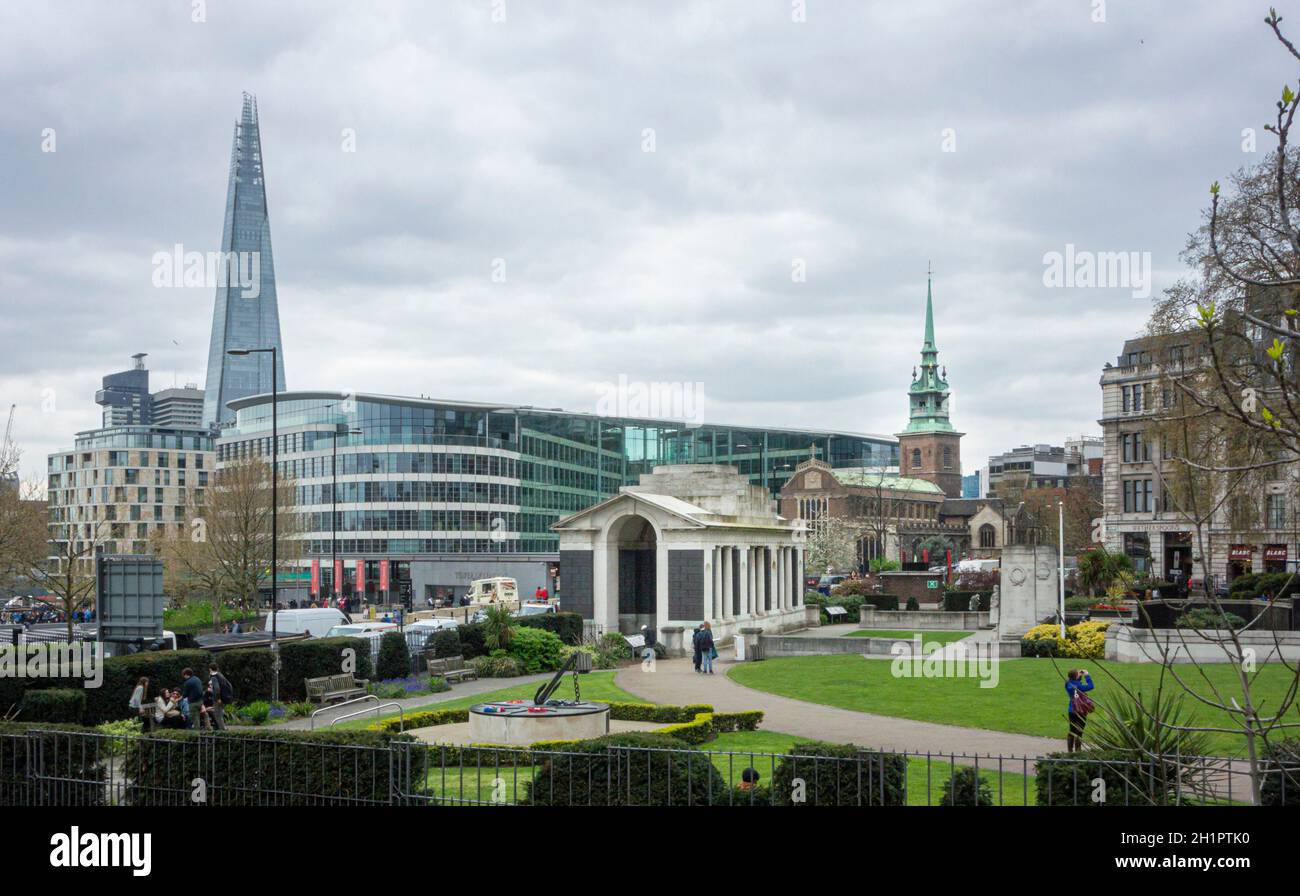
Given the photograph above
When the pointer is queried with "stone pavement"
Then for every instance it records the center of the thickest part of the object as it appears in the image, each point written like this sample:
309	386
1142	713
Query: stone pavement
675	681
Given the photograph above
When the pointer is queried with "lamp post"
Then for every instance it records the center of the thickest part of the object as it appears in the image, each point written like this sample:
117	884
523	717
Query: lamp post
275	512
340	429
1060	567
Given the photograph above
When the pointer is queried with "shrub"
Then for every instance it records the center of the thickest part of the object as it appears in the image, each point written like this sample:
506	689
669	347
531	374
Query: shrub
443	643
498	665
67	705
1204	618
884	564
881	601
394	657
424	719
656	712
631	769
1066	779
913	604
1143	725
966	788
1281	784
568	626
839	775
611	650
1086	640
472	641
255	713
536	650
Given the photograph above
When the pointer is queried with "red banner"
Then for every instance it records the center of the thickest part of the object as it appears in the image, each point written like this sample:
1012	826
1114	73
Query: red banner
1274	552
1240	551
361	577
338	578
383	576
315	578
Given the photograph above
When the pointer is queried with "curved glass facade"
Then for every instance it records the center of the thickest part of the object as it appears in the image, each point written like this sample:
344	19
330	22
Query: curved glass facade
428	477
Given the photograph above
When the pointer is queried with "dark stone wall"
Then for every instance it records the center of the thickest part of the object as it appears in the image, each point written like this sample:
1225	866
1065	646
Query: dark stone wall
686	584
636	581
576	585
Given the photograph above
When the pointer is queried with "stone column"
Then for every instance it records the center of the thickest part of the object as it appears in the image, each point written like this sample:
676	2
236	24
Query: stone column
724	558
707	575
798	575
746	581
760	581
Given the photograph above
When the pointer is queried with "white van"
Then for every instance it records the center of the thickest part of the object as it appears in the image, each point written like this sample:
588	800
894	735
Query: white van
354	629
491	591
313	621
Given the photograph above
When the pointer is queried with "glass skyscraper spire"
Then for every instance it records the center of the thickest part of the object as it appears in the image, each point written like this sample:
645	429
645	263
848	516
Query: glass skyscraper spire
246	314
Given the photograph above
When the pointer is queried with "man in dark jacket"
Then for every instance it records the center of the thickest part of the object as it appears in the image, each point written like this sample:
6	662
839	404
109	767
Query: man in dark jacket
222	692
704	638
695	647
192	691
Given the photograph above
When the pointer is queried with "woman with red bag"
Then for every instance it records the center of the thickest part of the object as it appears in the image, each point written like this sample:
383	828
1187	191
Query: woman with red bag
1076	682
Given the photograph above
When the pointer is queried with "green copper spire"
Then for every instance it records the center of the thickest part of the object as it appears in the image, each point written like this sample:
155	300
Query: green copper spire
928	396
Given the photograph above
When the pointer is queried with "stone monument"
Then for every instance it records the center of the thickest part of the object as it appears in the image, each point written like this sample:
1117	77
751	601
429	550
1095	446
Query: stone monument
1029	591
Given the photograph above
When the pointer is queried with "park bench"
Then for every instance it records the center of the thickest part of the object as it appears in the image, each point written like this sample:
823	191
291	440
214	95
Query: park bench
451	668
837	614
331	688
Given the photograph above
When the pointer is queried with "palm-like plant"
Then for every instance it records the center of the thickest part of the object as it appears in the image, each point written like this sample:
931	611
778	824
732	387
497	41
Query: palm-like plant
1099	568
498	627
1151	738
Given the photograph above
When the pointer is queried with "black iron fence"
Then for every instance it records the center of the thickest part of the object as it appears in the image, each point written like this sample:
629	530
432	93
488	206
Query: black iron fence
49	766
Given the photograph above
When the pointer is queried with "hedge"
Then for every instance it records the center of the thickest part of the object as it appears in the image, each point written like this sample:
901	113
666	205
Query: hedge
536	650
70	774
443	643
966	787
1066	779
248	669
253	768
959	601
64	705
632	769
839	775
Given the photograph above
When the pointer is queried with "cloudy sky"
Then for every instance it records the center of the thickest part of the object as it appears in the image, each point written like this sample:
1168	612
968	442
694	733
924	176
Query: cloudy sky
653	176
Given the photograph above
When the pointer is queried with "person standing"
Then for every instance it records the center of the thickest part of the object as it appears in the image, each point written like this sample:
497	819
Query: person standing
140	703
1077	681
192	692
223	692
707	650
695	647
648	651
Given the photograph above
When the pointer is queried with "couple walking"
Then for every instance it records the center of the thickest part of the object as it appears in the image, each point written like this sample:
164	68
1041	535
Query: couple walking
704	650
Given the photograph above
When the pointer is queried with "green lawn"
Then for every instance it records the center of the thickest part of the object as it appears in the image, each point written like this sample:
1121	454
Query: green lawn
927	638
594	685
1029	697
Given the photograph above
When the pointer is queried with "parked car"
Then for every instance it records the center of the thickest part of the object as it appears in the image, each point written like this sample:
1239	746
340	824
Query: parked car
535	609
357	629
826	583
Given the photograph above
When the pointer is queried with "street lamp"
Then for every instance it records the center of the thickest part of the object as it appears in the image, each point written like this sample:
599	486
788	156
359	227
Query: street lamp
1060	568
340	429
275	511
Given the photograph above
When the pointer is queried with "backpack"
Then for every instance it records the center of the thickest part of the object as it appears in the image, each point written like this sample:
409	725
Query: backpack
226	688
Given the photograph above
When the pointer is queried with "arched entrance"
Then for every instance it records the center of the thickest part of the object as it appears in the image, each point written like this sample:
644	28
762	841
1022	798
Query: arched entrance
633	545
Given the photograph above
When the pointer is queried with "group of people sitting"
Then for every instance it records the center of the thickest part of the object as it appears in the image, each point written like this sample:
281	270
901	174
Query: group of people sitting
193	705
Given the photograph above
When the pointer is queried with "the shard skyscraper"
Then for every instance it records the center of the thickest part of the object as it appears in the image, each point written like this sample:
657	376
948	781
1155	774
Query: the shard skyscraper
246	314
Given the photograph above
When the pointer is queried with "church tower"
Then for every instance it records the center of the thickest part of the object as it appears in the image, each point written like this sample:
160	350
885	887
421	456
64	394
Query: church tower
929	448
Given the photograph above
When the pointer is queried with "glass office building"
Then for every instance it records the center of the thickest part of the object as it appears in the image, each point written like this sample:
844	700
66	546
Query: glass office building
246	313
453	491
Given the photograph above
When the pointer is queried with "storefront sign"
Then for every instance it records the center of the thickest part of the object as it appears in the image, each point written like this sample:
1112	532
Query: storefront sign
1241	551
1275	552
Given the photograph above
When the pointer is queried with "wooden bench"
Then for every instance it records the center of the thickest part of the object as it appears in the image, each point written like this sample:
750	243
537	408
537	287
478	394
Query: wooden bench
451	668
332	688
836	614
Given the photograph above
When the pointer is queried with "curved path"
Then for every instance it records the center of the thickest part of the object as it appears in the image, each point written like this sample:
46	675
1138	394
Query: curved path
675	681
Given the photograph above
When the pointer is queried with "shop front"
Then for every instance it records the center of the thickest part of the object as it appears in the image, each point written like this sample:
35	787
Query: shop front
1275	558
1177	556
1241	560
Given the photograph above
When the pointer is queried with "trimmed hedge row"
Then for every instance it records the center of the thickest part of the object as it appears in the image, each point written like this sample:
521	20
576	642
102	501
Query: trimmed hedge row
249	671
62	705
839	775
1066	779
567	625
632	769
959	601
72	776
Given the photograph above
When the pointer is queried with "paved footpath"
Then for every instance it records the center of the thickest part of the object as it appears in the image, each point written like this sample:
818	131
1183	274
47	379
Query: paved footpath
675	681
428	701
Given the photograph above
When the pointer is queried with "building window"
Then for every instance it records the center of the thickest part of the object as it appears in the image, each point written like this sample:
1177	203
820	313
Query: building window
1276	511
1138	496
916	458
947	457
988	536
